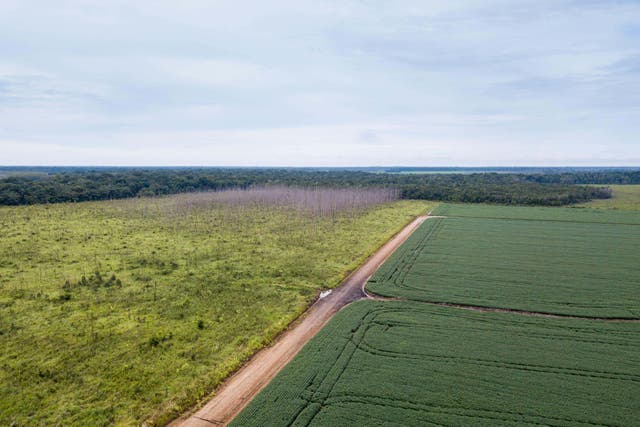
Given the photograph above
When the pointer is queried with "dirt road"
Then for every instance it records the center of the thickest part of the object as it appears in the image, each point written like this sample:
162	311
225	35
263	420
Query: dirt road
240	388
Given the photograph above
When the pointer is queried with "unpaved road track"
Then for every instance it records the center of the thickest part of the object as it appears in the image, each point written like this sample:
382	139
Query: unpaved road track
241	387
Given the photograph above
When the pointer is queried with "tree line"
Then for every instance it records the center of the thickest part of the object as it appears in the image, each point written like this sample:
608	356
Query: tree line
504	188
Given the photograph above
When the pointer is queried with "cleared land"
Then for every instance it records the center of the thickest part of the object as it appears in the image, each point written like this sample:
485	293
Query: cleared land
624	197
246	383
589	216
177	293
549	260
402	362
406	363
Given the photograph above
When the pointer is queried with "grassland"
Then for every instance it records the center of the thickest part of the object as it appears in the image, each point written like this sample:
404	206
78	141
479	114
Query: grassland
562	261
406	363
121	312
624	197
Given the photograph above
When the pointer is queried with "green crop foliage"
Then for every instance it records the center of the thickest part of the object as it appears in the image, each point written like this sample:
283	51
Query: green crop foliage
552	260
538	213
415	363
624	197
131	311
408	363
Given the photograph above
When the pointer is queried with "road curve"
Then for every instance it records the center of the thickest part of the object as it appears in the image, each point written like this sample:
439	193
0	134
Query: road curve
240	388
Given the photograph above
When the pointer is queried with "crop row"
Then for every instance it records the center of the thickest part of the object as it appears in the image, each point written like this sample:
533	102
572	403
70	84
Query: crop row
409	363
498	258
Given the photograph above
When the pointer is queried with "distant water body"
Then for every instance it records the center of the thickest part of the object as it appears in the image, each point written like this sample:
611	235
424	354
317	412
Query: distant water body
37	170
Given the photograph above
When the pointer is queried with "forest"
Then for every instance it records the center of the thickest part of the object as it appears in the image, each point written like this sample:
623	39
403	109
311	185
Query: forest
77	185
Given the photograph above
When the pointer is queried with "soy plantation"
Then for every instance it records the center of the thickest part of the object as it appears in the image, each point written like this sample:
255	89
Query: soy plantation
413	364
550	260
495	316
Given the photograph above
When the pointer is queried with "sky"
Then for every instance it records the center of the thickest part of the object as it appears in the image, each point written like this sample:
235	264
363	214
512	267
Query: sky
320	83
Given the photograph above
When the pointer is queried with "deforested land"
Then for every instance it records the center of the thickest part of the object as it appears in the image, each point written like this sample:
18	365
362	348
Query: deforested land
623	197
128	296
413	364
130	311
559	261
494	316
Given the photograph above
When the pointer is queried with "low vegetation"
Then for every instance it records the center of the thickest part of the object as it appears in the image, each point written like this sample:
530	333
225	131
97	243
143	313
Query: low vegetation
553	260
410	361
407	363
584	216
124	311
623	197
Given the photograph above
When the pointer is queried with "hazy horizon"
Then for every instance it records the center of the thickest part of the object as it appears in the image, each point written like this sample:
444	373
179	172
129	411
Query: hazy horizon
447	167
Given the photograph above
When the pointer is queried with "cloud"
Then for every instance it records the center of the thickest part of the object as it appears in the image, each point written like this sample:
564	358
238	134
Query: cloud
397	143
319	83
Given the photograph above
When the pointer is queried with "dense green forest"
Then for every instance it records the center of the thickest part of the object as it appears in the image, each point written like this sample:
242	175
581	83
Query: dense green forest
552	189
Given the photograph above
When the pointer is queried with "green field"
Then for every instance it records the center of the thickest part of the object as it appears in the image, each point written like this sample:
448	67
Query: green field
589	216
624	197
407	363
133	310
400	362
552	260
